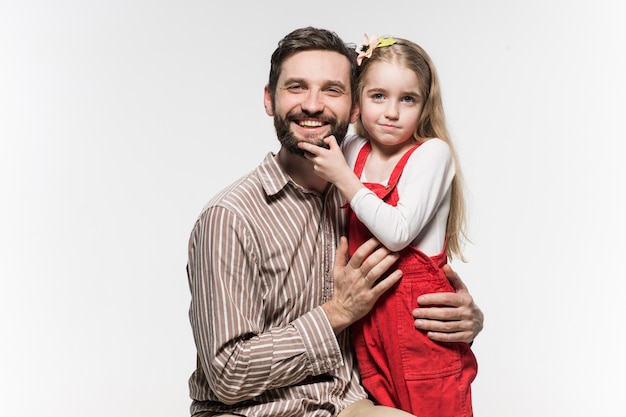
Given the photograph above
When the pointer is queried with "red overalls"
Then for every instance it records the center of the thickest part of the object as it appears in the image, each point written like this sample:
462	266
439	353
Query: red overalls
399	365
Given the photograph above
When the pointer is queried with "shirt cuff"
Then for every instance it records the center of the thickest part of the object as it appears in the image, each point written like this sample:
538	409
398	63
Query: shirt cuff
319	341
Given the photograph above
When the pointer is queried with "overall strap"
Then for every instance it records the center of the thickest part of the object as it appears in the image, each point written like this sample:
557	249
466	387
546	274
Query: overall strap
361	158
397	171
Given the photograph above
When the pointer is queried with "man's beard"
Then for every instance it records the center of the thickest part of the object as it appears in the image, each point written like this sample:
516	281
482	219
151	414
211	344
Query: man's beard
290	143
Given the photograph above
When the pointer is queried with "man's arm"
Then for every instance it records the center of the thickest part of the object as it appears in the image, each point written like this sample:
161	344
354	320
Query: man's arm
449	317
242	356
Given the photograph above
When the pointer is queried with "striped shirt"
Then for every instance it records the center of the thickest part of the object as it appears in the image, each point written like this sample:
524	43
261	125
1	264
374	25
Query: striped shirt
260	265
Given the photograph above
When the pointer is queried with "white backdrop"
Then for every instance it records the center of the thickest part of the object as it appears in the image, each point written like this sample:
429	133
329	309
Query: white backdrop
120	119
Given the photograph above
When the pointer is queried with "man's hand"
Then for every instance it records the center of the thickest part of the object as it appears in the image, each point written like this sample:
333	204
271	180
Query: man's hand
449	317
357	284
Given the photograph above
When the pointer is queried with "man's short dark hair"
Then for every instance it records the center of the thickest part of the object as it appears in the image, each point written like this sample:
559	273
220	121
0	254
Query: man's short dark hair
311	39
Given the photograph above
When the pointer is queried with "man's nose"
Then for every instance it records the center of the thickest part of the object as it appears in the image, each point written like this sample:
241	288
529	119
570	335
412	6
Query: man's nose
313	102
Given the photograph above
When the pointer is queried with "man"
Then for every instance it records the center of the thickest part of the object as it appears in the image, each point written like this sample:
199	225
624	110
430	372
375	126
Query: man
269	311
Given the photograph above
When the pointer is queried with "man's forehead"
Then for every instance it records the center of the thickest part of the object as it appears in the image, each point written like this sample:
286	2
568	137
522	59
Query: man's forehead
317	65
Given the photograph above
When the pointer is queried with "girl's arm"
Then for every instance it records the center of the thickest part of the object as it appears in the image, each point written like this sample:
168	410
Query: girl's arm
423	191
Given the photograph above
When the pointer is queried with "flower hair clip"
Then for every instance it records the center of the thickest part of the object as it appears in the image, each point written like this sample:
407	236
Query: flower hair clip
369	44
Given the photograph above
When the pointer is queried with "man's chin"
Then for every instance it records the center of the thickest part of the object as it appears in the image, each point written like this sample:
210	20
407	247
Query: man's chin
316	141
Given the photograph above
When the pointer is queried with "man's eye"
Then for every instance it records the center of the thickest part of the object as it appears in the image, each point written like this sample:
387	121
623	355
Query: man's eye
334	92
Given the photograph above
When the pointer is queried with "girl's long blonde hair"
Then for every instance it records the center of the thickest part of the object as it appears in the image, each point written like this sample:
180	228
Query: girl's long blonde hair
432	124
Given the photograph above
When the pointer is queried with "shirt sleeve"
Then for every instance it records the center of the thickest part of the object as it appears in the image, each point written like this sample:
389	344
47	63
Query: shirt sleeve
424	184
240	357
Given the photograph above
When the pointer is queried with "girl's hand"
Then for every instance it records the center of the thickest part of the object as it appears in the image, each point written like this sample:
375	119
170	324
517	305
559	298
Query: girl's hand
328	164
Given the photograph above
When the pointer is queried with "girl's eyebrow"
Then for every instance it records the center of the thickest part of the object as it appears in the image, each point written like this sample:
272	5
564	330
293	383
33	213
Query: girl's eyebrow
374	90
415	93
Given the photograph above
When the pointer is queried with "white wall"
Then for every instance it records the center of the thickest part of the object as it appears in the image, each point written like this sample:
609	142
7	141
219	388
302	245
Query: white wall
119	119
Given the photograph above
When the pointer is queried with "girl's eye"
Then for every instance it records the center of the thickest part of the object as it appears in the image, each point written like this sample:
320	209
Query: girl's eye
377	96
408	99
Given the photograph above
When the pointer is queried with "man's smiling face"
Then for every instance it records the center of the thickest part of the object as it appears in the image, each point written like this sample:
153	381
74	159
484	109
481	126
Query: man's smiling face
312	100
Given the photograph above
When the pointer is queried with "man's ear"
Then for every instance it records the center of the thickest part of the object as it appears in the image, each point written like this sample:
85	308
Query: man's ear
356	110
267	101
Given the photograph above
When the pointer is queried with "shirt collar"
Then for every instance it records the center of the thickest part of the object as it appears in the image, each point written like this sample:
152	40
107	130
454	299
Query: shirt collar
272	177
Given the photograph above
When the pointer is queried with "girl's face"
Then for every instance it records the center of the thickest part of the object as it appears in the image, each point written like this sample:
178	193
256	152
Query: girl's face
390	103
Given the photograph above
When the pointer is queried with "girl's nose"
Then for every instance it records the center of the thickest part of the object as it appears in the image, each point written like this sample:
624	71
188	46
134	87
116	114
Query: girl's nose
391	111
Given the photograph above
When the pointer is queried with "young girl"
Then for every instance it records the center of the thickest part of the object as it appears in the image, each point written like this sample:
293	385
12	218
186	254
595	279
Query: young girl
405	190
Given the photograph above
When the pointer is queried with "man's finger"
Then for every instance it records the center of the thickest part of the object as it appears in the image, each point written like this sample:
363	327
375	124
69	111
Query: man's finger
455	280
363	252
450	337
385	284
443	299
341	255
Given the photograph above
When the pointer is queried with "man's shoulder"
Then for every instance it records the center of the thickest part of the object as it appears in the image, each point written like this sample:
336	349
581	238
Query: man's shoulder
245	187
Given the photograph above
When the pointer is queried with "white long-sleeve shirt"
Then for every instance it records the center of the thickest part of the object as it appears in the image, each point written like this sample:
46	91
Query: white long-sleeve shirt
424	189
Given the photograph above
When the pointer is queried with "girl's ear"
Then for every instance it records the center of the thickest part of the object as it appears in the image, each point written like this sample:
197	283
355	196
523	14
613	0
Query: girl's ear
267	101
356	110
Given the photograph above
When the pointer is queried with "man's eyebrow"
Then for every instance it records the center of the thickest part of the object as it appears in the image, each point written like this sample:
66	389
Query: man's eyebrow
294	80
333	83
326	84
